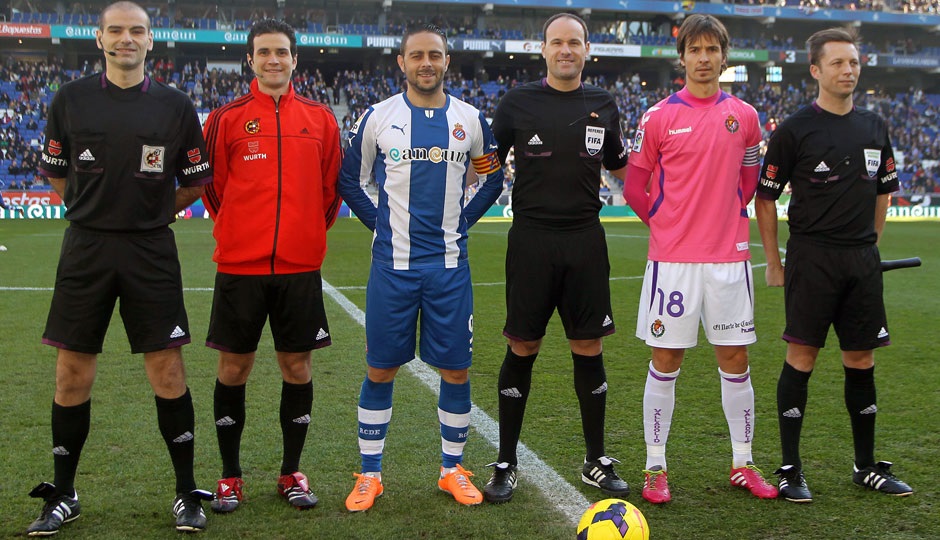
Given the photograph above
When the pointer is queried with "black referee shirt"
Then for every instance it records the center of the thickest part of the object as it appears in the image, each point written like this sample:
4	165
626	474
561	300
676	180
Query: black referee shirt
121	150
836	166
561	139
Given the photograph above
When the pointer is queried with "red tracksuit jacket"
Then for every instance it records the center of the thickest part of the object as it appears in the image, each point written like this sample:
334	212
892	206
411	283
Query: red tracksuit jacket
273	196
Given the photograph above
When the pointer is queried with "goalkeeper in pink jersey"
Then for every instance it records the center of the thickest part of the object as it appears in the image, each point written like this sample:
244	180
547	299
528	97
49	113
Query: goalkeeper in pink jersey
692	171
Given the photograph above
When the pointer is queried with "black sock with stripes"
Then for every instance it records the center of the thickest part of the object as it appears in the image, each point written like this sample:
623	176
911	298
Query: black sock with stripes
515	379
70	426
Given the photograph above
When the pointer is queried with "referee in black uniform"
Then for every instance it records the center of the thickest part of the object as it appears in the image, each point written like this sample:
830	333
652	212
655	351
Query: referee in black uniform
840	166
563	132
115	144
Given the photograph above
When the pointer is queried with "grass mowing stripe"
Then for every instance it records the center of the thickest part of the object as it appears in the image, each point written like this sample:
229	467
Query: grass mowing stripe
556	489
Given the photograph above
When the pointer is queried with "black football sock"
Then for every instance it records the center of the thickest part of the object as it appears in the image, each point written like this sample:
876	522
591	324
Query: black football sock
296	404
860	401
70	427
515	379
177	423
590	384
792	390
229	410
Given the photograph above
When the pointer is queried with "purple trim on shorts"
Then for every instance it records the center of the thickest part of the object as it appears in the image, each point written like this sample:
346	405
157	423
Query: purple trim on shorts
320	345
654	282
55	344
517	338
218	347
737	379
66	347
790	339
178	343
661	378
747	279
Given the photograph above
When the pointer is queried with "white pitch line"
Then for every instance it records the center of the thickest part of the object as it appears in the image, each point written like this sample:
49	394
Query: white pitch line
556	489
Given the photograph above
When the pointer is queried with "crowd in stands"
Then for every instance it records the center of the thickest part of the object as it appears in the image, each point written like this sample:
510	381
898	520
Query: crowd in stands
811	6
26	90
317	21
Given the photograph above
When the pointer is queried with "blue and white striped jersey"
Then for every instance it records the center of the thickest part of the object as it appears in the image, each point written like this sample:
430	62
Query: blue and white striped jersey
420	159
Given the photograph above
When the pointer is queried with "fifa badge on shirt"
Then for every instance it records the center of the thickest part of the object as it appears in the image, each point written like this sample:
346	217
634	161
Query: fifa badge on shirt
593	139
872	160
151	159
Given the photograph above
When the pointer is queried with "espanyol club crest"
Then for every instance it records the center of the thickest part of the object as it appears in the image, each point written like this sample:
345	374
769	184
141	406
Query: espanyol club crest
354	130
593	139
151	159
55	147
194	156
458	132
872	160
731	123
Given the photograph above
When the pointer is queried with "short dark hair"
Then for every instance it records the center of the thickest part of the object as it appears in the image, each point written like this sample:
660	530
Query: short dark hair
271	26
420	29
815	43
571	16
697	25
123	4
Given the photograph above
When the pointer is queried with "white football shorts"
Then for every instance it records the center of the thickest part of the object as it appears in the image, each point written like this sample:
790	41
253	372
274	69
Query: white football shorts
676	296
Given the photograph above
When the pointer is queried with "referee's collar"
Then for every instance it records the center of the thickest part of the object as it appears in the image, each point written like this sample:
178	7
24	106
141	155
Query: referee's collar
143	87
819	109
546	85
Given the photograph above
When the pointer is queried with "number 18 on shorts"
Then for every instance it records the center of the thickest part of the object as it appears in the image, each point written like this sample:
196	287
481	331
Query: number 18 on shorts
676	296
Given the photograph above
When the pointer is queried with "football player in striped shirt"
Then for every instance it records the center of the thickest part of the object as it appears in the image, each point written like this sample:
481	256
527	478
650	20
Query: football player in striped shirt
419	147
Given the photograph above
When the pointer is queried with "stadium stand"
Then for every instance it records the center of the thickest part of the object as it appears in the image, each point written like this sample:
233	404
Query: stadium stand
901	60
26	89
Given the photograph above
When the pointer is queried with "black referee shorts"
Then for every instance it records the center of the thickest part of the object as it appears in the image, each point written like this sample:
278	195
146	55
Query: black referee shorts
293	302
567	270
95	269
841	287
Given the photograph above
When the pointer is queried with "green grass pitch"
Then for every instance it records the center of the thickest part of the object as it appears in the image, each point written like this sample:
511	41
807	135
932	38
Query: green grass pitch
125	480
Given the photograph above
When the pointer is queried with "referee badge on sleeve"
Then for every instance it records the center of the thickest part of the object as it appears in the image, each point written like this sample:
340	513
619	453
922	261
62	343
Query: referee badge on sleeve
872	160
151	159
593	139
